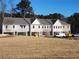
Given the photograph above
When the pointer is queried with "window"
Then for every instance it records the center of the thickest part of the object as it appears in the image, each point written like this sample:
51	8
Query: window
22	26
45	26
33	26
59	26
13	26
42	26
6	26
67	26
38	26
56	26
63	26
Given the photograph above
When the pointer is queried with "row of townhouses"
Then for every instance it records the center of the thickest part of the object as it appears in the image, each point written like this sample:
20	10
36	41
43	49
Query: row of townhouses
21	26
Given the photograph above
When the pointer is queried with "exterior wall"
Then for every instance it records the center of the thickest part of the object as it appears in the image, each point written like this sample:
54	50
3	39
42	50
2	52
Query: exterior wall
47	29
39	28
55	27
66	28
58	27
43	28
62	28
36	28
17	28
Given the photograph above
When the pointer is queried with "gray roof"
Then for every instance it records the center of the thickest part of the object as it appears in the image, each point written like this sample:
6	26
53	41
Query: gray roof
45	21
63	22
10	20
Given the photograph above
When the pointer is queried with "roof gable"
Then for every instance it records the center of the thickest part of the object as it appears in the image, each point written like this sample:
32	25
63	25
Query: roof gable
42	21
36	21
63	22
10	20
59	22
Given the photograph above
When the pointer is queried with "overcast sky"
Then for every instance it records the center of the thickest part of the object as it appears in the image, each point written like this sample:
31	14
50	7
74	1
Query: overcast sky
45	7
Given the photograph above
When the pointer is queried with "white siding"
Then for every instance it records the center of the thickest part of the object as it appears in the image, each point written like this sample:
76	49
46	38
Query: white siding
16	29
43	28
36	22
36	28
58	27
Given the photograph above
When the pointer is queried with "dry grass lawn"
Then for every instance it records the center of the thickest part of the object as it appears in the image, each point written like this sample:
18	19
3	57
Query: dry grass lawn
38	48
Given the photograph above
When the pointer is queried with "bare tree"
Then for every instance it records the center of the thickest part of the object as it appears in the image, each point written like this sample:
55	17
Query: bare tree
3	7
12	7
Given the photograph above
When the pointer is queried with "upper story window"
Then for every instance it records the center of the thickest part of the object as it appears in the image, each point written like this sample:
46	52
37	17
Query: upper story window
53	26
60	26
42	27
45	26
67	26
6	26
38	26
56	26
13	26
33	26
63	26
22	26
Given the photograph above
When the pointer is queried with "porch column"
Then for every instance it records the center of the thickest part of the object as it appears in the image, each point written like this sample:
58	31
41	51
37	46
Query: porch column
53	34
16	33
30	33
49	33
40	33
2	32
26	34
13	33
